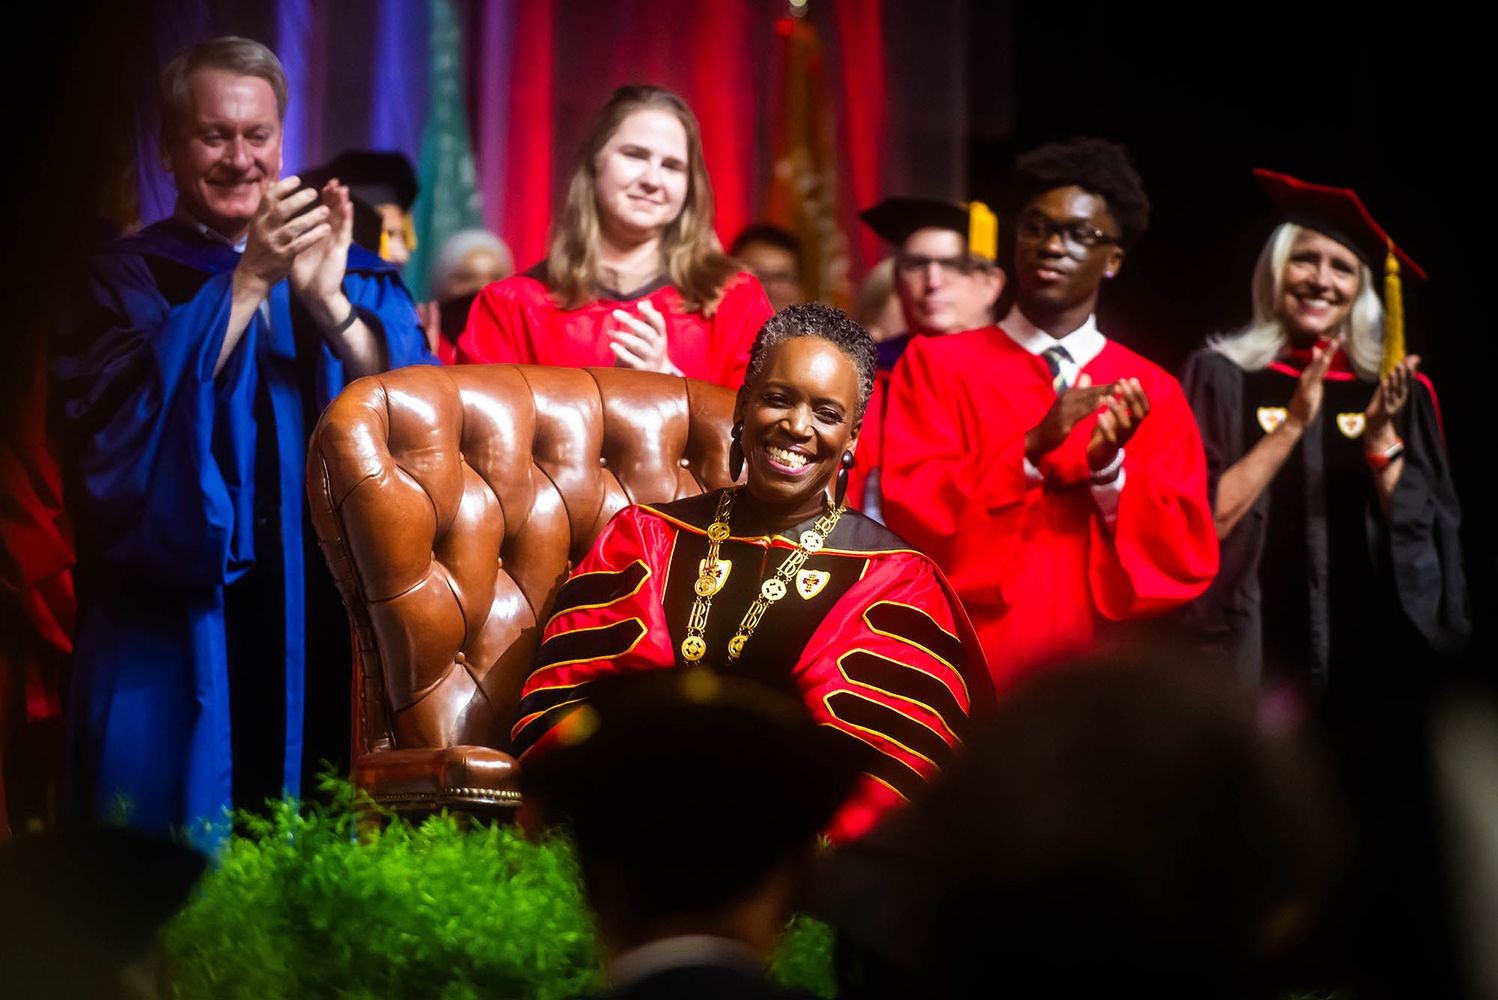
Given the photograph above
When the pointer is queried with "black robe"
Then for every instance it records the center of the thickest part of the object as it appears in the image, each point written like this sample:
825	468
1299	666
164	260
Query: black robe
1317	586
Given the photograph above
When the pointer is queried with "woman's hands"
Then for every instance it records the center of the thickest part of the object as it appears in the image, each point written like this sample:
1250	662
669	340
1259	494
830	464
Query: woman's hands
1306	402
1388	400
641	343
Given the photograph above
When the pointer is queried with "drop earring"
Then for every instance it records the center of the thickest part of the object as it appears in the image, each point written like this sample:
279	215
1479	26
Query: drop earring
736	452
841	493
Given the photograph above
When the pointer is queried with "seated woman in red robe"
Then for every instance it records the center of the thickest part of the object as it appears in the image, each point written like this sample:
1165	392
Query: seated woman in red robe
1326	460
779	582
634	276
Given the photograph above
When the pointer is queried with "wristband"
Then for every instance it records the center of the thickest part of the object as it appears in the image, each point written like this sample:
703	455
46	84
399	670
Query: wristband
348	321
1109	472
1378	461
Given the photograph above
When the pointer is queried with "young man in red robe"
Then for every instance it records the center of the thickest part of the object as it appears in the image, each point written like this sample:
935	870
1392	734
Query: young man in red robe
1056	476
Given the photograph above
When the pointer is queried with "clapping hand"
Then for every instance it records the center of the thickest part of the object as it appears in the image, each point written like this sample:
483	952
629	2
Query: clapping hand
1388	400
1306	402
317	272
1121	416
641	343
1071	406
282	228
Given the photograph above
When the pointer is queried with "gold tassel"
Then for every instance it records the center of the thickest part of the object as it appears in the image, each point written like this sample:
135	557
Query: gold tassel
982	231
384	245
1393	315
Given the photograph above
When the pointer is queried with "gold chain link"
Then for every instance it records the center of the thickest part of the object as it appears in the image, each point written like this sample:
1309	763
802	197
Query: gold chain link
694	646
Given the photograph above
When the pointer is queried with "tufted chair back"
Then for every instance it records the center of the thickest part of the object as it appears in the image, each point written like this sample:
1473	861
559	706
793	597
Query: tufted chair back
451	503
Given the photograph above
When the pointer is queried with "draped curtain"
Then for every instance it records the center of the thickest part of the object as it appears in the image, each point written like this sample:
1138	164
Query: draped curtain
536	71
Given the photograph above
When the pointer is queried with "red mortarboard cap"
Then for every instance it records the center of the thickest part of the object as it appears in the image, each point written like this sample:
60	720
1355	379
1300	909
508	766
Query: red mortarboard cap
894	219
1337	212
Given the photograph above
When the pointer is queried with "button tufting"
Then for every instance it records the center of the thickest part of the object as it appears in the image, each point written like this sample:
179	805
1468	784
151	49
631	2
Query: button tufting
459	657
603	461
683	463
500	563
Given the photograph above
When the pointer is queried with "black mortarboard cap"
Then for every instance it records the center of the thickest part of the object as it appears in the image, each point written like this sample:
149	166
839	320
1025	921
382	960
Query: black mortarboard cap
375	176
894	219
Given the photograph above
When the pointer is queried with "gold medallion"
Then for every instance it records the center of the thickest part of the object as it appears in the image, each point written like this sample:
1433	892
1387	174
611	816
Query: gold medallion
811	541
1351	424
717	531
715	572
809	582
736	645
692	648
1270	417
772	589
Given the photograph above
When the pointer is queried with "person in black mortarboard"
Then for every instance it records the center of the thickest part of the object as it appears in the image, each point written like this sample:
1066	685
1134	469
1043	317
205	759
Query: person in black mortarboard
946	278
946	271
1341	556
384	187
694	801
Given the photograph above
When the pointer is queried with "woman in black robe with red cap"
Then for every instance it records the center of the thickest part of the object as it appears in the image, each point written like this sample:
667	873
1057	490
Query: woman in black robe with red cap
1334	504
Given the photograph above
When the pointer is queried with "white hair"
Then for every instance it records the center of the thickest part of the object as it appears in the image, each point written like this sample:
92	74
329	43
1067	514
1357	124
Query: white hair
460	245
1264	339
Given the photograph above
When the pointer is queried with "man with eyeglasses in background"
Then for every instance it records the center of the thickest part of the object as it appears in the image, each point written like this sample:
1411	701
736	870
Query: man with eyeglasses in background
946	279
1057	476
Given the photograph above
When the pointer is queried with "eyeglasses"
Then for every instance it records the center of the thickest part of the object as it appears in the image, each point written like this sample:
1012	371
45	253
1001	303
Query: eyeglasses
951	267
1078	237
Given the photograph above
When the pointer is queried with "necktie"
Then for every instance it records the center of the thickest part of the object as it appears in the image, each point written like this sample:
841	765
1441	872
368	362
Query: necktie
1053	358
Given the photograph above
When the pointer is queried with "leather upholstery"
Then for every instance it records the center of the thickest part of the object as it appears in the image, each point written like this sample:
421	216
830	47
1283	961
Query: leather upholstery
451	503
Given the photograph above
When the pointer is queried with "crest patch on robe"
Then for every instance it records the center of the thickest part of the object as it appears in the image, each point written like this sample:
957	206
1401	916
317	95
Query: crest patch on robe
1270	417
809	582
721	569
1351	424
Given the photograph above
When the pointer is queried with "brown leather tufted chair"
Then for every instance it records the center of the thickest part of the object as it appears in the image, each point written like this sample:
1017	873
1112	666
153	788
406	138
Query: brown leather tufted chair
450	504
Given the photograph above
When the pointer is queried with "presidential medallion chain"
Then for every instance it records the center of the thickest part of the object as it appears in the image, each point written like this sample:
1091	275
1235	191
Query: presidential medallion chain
694	646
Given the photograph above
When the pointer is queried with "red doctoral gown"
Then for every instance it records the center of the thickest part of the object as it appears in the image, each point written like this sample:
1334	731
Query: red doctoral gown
867	638
1037	566
515	321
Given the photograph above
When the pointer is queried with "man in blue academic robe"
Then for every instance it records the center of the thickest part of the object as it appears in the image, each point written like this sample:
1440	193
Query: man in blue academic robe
206	346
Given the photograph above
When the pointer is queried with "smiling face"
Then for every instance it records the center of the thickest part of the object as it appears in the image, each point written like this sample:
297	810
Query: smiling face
798	419
227	150
1053	275
941	289
642	175
1318	287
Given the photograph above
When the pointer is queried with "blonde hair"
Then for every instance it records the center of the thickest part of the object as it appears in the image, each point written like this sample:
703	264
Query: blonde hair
691	256
1264	339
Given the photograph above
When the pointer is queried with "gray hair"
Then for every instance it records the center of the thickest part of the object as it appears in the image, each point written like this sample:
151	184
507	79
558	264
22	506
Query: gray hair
460	245
231	53
1259	343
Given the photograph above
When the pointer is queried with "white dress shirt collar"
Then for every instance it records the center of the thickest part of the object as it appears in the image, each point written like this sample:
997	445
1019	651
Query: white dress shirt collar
185	217
1083	344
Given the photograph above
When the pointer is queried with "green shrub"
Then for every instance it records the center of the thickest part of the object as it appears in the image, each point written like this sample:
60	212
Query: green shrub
298	905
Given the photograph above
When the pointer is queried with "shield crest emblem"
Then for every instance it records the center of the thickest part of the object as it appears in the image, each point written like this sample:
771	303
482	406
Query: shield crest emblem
1270	417
719	572
1351	424
809	582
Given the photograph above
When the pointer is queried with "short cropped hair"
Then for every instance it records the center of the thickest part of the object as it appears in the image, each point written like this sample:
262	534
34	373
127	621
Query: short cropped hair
1095	165
236	55
769	234
813	319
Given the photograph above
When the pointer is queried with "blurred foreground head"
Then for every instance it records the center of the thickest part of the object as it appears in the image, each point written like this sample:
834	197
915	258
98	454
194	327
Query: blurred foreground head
80	910
687	794
1127	825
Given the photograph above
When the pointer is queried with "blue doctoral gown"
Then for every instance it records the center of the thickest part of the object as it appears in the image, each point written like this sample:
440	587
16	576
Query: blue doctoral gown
162	485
